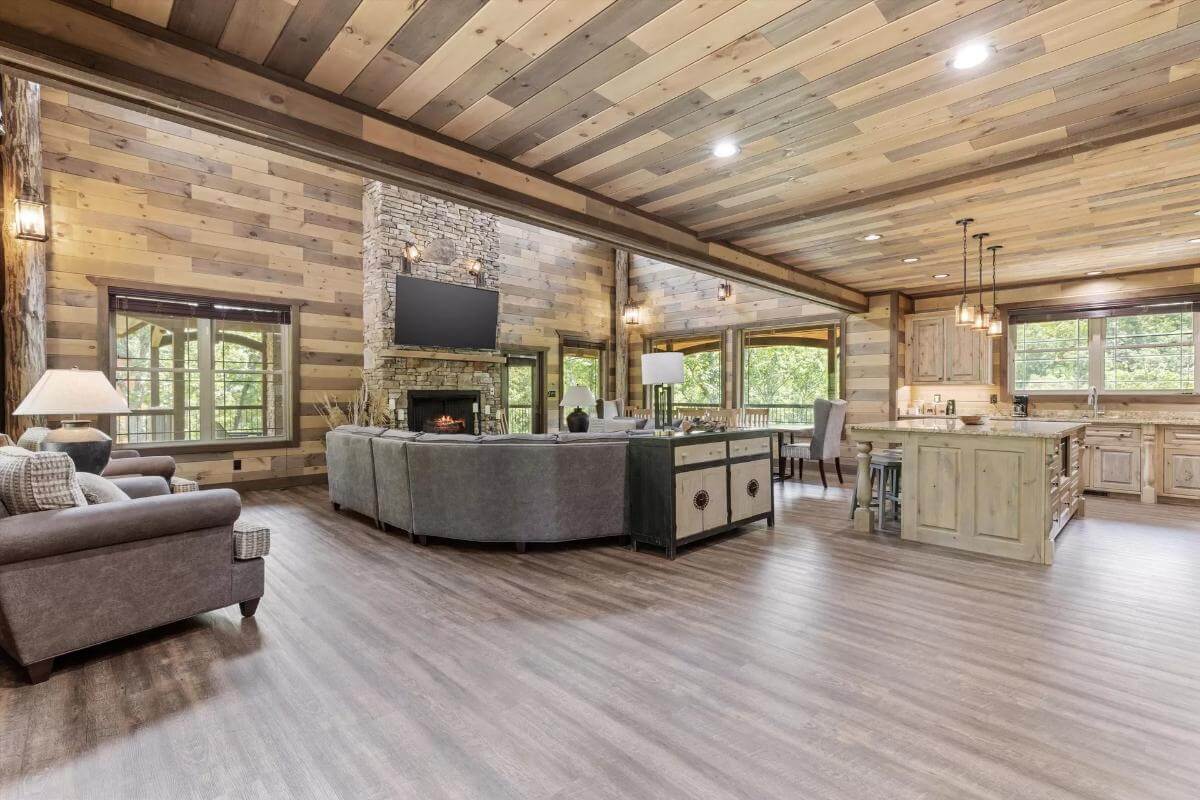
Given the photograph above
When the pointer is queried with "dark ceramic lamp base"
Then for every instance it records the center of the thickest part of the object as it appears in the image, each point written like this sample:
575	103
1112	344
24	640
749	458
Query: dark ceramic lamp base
577	421
87	447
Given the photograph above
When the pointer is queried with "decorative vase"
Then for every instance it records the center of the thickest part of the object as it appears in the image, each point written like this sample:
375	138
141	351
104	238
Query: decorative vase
577	421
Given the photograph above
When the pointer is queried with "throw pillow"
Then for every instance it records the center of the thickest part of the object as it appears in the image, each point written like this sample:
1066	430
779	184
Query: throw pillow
37	481
97	489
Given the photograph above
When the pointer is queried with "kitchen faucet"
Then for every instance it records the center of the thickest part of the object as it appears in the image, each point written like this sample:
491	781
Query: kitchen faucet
1094	401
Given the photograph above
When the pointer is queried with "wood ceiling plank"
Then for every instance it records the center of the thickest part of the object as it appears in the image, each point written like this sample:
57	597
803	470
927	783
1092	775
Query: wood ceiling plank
480	114
645	142
308	32
157	12
490	26
369	29
425	31
202	20
576	111
540	34
254	27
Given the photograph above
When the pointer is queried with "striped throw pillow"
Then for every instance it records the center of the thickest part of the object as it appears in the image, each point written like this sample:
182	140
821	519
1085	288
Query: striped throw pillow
32	482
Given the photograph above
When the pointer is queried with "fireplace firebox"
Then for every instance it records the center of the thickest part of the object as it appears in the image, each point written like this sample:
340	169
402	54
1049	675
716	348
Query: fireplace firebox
443	410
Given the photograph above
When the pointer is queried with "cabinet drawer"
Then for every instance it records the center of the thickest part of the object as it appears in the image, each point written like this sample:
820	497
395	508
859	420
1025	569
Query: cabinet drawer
1106	434
699	453
749	447
1179	436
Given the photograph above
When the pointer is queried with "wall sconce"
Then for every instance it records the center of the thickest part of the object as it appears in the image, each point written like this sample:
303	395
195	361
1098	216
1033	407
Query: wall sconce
724	291
475	267
31	220
408	255
632	313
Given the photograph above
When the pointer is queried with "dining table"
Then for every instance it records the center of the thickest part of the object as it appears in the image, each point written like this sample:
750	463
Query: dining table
791	430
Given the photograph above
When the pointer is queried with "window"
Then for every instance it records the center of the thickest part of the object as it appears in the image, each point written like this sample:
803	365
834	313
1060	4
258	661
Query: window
784	370
520	381
1149	348
703	382
581	367
1051	355
196	370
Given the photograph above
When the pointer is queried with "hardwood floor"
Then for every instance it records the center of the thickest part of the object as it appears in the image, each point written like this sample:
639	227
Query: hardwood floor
808	662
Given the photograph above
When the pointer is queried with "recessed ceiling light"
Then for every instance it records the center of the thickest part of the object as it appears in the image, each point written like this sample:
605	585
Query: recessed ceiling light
872	237
725	148
1197	213
940	275
910	260
1193	241
970	55
1094	272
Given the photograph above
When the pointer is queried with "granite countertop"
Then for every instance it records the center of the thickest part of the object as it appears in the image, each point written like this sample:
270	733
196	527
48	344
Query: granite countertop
1106	418
1036	429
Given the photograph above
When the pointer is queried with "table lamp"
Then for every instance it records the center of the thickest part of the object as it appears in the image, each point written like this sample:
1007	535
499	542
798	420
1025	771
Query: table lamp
580	397
661	370
71	392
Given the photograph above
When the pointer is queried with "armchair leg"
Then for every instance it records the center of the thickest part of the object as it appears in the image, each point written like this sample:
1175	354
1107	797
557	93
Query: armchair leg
39	671
249	607
837	463
800	470
821	469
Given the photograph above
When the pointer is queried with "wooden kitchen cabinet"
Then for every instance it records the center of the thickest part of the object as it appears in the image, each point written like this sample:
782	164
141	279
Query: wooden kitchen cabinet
941	352
1181	461
1114	458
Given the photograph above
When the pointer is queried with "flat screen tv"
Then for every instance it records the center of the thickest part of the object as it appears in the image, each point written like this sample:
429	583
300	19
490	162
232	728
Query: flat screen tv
433	314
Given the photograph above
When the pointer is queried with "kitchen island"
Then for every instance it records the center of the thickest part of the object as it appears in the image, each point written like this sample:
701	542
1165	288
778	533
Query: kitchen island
1006	488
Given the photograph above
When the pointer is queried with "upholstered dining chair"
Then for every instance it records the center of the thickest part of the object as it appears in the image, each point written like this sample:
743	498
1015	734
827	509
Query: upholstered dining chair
829	417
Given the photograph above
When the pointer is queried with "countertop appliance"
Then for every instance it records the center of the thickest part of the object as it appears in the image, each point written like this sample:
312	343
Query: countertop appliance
1020	405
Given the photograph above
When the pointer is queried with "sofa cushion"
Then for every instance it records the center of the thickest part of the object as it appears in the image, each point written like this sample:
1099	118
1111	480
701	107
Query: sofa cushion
359	430
519	438
446	438
97	489
32	482
395	433
599	436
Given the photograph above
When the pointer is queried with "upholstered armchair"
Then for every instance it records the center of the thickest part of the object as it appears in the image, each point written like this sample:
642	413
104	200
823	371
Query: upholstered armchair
829	418
75	577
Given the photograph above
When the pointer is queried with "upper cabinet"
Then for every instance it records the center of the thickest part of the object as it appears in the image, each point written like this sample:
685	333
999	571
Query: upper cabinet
941	352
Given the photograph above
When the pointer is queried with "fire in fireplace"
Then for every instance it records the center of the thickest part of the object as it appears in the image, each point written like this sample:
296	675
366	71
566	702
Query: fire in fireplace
445	424
443	410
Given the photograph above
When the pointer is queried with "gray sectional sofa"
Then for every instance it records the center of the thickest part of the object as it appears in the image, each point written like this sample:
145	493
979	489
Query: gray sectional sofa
515	488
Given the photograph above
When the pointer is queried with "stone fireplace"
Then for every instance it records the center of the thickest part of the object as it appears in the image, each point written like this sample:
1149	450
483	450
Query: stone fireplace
443	411
450	236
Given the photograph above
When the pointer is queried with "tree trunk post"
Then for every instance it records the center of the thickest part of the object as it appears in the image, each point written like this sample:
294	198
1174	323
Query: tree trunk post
620	298
24	301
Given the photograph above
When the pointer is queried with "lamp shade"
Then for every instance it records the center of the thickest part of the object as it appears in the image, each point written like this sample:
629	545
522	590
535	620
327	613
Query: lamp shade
578	397
72	391
660	368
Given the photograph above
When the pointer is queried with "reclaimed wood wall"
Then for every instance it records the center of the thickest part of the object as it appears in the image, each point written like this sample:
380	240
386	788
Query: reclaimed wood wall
554	286
136	198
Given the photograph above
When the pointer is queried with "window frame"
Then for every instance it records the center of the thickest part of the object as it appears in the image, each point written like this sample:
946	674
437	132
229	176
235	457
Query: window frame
1097	317
669	340
106	348
835	353
574	342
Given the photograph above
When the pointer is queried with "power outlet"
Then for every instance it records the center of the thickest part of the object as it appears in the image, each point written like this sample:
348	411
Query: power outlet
237	465
993	399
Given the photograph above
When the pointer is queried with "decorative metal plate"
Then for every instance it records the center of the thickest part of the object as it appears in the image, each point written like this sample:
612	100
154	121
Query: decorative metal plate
700	500
752	487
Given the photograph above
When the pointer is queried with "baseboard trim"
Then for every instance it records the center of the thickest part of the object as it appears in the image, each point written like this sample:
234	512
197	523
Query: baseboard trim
285	482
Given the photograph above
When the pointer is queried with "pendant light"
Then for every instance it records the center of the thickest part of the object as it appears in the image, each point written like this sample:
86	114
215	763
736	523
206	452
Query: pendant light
964	313
981	317
996	325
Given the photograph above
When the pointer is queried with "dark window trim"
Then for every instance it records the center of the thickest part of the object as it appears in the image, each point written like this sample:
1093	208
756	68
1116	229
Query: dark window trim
539	356
720	334
572	339
106	357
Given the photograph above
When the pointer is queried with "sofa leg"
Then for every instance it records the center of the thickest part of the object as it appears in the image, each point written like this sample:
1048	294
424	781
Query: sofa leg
39	671
249	607
520	547
382	525
336	506
422	539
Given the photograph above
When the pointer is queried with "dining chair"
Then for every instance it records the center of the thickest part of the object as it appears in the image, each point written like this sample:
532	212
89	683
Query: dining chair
829	417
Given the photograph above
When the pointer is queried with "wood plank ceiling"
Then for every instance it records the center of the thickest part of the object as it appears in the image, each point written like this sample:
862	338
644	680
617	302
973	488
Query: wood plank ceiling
1076	144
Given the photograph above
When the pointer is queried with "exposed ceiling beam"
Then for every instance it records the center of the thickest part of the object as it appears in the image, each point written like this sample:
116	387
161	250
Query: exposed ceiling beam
89	47
1163	122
